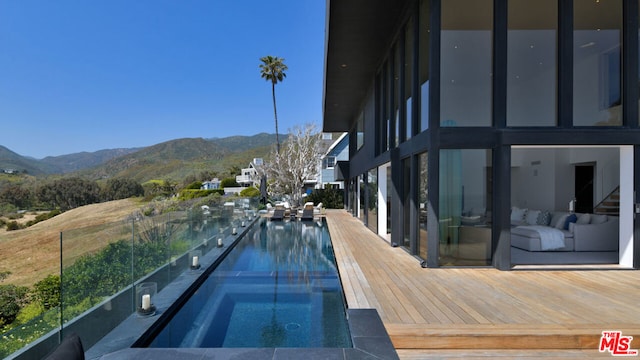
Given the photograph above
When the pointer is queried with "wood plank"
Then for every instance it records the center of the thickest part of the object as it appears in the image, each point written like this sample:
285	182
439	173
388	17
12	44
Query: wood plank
459	308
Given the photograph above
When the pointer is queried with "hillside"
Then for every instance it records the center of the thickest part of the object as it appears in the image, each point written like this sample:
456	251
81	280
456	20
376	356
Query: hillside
33	253
9	160
171	160
73	162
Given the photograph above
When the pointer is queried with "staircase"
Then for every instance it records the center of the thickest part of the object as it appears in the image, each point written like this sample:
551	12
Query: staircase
610	205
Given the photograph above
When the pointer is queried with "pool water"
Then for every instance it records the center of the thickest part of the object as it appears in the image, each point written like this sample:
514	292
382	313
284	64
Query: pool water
279	287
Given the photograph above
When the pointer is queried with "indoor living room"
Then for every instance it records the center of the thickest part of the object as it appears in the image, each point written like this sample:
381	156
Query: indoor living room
566	205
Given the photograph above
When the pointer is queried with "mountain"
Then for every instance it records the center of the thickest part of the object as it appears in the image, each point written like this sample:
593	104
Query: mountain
10	161
176	159
78	161
173	159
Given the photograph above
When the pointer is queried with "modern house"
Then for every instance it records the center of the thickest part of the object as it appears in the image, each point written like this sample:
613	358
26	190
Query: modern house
249	176
337	152
490	132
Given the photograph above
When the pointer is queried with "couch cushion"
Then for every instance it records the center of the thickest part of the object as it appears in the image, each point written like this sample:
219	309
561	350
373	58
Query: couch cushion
584	219
532	216
558	220
598	219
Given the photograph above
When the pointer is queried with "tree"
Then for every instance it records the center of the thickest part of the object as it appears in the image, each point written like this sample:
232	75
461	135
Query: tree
273	69
121	188
297	162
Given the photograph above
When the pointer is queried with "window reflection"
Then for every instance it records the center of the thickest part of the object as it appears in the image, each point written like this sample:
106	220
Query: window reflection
422	205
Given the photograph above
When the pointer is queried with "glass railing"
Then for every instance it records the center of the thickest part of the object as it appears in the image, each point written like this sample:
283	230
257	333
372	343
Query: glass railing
102	266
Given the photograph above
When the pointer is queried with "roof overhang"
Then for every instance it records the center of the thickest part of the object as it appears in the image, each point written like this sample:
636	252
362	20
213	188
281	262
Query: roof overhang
357	34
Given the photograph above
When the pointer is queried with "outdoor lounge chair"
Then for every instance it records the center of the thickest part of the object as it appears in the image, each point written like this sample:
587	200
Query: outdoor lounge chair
278	212
307	211
318	209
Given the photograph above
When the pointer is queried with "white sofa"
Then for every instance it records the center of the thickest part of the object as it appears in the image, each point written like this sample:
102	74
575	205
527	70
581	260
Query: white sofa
587	232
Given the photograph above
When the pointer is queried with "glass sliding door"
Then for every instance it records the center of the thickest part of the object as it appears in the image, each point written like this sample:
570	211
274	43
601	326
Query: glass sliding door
423	205
406	203
464	224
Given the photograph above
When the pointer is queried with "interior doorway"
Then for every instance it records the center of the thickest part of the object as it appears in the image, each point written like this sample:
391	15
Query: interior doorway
583	185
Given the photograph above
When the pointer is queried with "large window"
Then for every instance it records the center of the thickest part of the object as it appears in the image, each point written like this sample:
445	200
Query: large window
423	204
397	95
597	67
406	200
423	56
464	220
372	214
408	80
531	63
466	63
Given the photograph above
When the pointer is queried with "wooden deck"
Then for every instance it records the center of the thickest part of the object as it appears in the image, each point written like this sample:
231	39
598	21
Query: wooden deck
482	312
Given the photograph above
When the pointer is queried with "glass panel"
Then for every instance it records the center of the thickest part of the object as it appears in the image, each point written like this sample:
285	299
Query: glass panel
397	96
363	197
372	214
386	100
531	63
466	63
408	79
406	202
465	186
423	204
360	131
597	63
423	55
389	192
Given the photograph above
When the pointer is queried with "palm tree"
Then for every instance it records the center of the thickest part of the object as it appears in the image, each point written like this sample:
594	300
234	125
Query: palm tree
273	69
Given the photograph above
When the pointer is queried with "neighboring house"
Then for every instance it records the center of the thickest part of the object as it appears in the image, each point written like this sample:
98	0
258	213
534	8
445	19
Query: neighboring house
338	151
469	118
249	176
211	184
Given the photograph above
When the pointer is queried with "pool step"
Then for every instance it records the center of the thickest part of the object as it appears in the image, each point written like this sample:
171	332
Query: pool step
505	336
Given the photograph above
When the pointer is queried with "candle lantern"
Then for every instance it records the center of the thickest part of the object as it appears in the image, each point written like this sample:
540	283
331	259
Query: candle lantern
234	231
220	244
195	256
145	292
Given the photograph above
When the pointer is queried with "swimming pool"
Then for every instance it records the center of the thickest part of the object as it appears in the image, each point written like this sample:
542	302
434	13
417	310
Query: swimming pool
279	287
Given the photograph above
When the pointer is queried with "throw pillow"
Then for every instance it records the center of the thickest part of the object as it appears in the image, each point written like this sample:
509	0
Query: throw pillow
532	217
517	214
570	219
544	218
584	219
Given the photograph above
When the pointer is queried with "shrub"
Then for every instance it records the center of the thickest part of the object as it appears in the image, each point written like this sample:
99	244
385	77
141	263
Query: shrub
330	198
47	291
250	192
13	225
12	299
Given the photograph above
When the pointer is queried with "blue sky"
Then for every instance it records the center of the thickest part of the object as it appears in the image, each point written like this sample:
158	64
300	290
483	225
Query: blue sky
87	75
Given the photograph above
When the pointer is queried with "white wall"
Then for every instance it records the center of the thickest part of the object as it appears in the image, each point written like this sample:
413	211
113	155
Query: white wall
543	178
